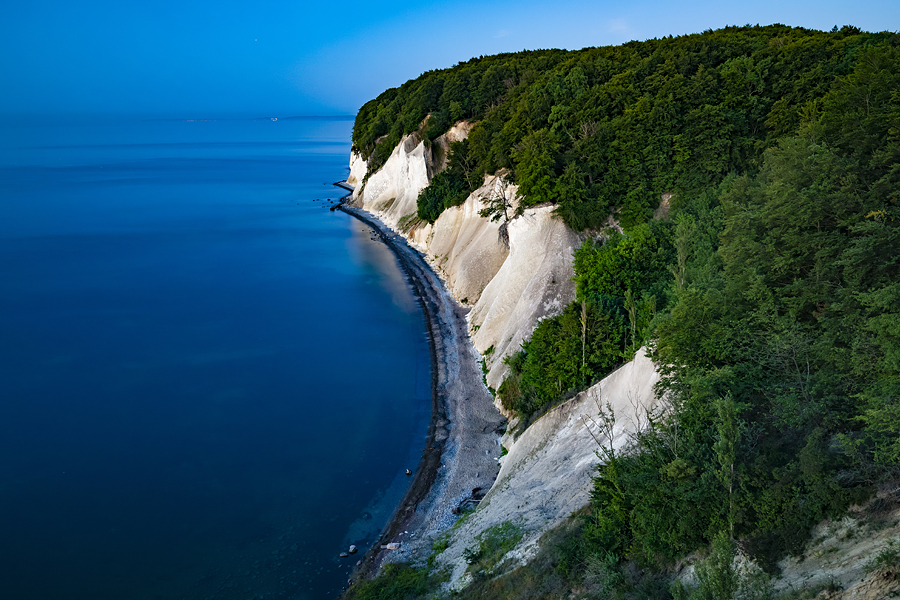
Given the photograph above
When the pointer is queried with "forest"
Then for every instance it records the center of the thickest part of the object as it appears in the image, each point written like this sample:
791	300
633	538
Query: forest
769	292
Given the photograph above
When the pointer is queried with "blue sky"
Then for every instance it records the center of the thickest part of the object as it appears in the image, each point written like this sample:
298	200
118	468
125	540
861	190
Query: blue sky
276	57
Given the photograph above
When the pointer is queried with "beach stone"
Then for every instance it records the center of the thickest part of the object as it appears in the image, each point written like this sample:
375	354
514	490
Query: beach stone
393	546
344	555
353	549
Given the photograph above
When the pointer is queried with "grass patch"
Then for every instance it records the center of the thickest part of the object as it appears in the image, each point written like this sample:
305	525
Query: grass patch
811	592
888	558
441	543
493	544
397	581
543	577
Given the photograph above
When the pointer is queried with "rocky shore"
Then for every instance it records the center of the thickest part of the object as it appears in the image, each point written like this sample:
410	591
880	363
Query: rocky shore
459	463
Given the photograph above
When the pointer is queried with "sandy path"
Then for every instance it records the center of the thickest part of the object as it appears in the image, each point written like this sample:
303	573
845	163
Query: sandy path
460	459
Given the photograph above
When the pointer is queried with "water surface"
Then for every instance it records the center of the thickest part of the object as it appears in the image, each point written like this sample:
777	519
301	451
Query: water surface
211	384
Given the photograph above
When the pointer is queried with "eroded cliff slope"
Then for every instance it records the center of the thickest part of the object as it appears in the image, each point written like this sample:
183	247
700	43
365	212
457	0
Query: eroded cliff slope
546	476
510	285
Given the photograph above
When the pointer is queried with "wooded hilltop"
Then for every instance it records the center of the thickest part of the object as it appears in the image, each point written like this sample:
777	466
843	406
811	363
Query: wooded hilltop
739	191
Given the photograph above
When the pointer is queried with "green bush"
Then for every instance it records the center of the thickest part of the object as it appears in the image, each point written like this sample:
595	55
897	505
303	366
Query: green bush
444	190
492	545
719	577
565	353
450	187
396	581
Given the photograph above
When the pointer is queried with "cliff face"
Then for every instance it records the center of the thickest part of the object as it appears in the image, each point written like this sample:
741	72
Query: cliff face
508	288
534	282
508	285
547	474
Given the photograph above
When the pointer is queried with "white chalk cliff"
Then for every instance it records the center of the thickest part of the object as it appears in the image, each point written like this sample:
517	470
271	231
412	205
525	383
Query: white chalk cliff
509	289
547	474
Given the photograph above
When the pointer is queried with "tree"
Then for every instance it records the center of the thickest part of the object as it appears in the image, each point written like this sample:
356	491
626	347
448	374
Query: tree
631	309
535	167
499	201
499	205
726	450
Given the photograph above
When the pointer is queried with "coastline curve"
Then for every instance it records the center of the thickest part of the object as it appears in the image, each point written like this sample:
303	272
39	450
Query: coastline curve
459	462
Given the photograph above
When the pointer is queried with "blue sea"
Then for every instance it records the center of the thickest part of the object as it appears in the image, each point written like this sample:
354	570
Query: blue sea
210	384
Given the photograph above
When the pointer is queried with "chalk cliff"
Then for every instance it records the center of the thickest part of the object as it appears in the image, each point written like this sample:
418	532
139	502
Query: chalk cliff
546	476
508	283
509	288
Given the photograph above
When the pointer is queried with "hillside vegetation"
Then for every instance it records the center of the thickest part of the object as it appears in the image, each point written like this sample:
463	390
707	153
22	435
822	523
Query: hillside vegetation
770	296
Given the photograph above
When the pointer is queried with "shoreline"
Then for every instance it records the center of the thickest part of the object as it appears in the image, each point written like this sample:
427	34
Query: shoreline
459	461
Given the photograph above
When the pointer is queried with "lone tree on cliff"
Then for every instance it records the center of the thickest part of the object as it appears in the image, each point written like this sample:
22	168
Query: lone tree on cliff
499	205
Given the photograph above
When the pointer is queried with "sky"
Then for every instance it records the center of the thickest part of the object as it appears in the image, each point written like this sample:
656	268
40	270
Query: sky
195	59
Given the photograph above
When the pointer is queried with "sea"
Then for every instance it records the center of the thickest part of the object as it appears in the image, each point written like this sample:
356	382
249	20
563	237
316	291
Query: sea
211	384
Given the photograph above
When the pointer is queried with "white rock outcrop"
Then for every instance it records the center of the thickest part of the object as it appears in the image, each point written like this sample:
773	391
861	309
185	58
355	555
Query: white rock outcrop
357	170
390	193
465	248
510	288
534	282
547	474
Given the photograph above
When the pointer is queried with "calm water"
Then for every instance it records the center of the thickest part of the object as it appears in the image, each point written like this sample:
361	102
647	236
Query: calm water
211	384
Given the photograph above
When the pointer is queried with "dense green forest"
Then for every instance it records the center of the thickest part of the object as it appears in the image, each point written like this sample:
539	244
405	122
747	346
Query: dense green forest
612	128
769	295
